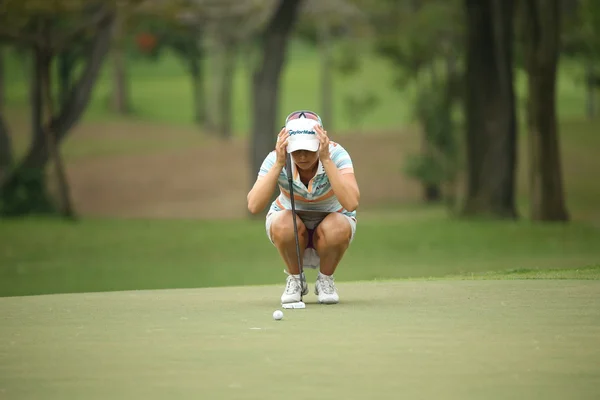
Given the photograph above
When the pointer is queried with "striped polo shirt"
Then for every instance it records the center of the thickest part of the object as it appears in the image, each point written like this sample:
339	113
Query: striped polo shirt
318	196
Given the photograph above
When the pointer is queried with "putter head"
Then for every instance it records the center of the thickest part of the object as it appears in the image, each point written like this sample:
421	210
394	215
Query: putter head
298	304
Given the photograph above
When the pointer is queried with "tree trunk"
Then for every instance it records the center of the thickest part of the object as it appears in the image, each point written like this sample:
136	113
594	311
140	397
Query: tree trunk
66	65
65	203
24	189
193	55
37	154
452	95
490	110
265	82
250	53
542	46
195	58
120	96
453	80
1	79
325	51
213	88
432	192
591	88
198	91
225	98
36	98
6	155
249	57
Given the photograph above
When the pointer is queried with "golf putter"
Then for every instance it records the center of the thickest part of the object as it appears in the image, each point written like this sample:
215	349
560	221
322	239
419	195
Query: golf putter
288	168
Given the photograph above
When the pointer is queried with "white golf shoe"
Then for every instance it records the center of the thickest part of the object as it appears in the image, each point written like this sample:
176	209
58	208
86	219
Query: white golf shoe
325	289
294	290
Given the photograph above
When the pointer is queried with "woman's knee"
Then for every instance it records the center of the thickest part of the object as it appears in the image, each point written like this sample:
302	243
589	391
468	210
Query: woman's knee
282	228
334	231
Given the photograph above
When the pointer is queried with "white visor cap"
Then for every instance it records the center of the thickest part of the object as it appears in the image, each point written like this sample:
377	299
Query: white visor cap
302	135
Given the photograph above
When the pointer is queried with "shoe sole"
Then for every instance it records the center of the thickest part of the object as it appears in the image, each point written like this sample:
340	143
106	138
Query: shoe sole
304	293
326	301
298	304
329	302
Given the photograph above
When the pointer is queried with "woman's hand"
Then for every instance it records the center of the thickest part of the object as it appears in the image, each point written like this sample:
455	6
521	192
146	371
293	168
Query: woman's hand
281	147
324	140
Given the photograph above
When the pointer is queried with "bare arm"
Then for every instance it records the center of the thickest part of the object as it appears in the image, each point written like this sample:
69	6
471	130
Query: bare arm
344	186
263	188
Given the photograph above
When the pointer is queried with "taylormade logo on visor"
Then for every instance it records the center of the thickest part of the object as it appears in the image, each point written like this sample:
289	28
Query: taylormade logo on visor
303	132
302	135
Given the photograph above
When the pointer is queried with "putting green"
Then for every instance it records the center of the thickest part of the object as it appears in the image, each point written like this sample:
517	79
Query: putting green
533	339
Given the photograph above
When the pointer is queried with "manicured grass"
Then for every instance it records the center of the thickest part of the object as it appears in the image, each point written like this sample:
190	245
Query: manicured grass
47	256
422	339
483	309
584	273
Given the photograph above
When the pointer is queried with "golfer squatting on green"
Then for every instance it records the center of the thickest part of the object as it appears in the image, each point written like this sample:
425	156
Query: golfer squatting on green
326	197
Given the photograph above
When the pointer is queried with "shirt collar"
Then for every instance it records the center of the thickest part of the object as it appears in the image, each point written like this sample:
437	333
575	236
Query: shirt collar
296	175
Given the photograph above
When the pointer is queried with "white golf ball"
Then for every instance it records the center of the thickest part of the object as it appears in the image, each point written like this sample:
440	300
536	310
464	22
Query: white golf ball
277	315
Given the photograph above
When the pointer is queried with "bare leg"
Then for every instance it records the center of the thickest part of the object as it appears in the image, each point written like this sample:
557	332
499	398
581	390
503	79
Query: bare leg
282	233
332	238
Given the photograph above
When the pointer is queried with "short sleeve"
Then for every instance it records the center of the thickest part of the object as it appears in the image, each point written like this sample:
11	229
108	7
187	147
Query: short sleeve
342	159
267	164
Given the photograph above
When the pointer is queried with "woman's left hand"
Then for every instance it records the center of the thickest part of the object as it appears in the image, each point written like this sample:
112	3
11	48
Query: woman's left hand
324	140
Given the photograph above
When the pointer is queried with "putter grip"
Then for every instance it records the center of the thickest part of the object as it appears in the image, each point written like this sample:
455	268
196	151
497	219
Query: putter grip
288	167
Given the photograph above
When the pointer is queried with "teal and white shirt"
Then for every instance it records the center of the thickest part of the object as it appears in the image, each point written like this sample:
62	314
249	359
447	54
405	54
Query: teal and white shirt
318	196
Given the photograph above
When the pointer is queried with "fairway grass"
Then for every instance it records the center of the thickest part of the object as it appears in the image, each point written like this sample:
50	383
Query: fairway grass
45	256
442	339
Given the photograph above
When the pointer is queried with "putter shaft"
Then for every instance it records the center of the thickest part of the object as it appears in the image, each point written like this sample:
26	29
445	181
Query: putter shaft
291	183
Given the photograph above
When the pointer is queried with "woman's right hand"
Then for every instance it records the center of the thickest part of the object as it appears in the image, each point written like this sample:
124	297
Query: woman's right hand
281	147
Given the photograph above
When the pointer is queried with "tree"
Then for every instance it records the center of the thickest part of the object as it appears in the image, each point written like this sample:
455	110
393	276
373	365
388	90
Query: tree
233	31
541	31
187	27
228	46
43	28
323	24
265	83
6	157
580	40
421	38
156	34
2	51
120	100
491	129
43	59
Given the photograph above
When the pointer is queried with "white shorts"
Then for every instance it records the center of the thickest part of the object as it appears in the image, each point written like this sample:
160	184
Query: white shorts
311	221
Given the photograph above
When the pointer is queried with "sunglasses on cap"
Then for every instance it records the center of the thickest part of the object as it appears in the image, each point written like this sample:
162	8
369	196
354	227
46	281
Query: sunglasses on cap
304	114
